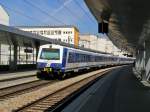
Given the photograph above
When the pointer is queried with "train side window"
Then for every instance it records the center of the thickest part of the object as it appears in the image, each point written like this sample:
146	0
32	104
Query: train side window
100	58
84	58
89	58
71	58
76	57
103	58
80	58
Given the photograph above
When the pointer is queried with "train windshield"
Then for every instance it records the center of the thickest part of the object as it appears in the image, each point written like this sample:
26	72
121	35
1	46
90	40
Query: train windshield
50	54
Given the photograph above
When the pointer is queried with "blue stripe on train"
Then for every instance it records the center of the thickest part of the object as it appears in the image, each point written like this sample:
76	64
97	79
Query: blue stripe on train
41	65
53	65
56	65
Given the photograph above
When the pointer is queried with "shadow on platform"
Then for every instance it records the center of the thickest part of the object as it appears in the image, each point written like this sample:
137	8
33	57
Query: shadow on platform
126	94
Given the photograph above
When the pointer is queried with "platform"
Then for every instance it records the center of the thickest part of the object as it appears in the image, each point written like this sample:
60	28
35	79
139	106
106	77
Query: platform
5	76
119	91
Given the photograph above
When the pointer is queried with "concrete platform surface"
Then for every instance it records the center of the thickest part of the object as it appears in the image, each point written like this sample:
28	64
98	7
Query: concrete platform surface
119	91
4	76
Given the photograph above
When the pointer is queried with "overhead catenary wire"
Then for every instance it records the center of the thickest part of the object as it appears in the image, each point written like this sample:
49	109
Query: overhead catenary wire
70	12
84	11
43	11
22	14
37	20
73	14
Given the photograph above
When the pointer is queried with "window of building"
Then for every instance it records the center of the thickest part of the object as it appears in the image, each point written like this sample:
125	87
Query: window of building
48	32
41	32
5	54
26	55
59	39
45	32
55	32
33	31
38	32
59	32
52	32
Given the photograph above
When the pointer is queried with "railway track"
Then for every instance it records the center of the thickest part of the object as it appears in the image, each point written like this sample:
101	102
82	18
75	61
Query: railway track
56	100
16	90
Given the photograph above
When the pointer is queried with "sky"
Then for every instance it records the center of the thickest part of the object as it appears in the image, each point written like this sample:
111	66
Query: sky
51	12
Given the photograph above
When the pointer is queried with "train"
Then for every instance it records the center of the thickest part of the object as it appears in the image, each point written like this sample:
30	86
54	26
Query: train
56	60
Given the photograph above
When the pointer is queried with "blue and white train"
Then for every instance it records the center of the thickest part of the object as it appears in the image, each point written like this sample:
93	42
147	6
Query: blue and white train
55	60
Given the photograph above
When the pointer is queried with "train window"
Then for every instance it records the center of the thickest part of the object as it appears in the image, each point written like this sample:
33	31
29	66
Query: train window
50	54
78	57
90	58
100	58
103	58
70	58
75	57
84	58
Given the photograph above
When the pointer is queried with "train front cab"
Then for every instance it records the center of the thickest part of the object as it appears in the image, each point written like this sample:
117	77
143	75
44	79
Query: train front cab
49	62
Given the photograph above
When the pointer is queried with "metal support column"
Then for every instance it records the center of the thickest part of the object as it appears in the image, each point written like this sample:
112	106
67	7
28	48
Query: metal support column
13	63
33	55
26	55
0	53
37	45
15	58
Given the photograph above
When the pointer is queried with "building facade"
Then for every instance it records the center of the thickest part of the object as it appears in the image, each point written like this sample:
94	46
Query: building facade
5	49
67	34
4	17
98	43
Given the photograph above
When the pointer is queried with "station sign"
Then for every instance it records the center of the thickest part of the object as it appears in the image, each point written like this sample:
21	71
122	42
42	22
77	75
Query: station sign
28	50
102	27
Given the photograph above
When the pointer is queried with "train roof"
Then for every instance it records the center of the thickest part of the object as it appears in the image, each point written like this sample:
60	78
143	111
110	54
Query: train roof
82	48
